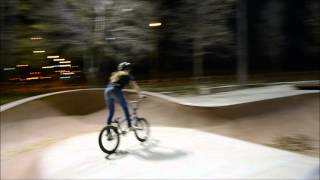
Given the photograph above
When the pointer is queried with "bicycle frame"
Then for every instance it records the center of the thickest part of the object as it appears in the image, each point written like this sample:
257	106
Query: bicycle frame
133	106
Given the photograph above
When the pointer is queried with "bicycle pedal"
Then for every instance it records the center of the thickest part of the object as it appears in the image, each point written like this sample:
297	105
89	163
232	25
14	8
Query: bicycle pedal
124	132
109	138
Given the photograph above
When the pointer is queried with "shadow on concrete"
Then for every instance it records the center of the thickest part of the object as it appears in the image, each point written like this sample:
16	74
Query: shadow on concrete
150	151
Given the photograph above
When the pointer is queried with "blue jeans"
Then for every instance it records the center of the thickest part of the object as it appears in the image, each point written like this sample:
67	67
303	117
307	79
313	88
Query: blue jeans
112	94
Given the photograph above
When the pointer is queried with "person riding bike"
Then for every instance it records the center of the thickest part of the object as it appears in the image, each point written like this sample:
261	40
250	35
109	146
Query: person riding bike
113	91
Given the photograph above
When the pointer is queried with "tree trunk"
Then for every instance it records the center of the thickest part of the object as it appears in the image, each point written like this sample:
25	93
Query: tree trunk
197	58
242	61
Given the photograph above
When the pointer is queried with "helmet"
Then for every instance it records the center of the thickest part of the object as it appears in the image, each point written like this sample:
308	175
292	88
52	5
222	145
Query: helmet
124	66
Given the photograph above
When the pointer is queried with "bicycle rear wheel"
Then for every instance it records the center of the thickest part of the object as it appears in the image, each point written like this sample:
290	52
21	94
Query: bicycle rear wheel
143	129
109	139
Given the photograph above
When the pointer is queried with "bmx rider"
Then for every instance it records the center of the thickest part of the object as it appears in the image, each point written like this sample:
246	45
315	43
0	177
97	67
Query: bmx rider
113	92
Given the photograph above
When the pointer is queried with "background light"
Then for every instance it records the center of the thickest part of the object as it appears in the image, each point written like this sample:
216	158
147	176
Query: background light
52	57
156	24
64	65
47	67
22	65
8	69
64	62
62	59
41	51
32	78
35	38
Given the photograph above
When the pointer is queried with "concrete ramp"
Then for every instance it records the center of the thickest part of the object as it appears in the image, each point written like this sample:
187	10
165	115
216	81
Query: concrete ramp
55	136
173	153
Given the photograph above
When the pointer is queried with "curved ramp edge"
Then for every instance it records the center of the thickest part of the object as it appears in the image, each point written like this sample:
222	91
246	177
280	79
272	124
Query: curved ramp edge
196	101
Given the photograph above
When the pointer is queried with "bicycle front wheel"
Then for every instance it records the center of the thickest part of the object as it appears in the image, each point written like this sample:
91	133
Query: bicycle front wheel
109	139
143	129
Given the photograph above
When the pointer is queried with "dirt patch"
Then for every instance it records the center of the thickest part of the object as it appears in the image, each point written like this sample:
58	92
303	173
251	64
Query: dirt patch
298	143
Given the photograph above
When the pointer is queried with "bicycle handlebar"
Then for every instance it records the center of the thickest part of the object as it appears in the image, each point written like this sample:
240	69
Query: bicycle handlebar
138	100
135	104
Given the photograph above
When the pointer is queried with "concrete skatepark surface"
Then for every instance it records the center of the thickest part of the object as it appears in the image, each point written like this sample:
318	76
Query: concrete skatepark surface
31	131
172	153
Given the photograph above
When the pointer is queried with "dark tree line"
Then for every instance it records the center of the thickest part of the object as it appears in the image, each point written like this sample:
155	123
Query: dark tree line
282	35
196	37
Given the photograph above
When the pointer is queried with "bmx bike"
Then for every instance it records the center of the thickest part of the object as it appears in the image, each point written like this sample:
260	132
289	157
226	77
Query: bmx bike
109	137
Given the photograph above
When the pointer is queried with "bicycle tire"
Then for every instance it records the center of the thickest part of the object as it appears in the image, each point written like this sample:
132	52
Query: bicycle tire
109	129
146	129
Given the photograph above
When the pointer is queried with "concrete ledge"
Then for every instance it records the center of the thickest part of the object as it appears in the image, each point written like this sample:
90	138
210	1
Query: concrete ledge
237	96
212	90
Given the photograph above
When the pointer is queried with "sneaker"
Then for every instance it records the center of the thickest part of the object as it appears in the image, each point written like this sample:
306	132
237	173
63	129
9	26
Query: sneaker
124	132
109	137
109	125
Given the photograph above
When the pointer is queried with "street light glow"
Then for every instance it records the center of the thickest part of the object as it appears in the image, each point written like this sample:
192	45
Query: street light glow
8	69
44	77
61	71
47	67
35	73
32	78
127	10
22	65
40	51
68	73
35	38
64	62
64	65
52	57
156	24
61	59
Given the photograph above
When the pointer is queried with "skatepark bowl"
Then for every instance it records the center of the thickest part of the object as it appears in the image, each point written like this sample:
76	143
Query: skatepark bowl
56	137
